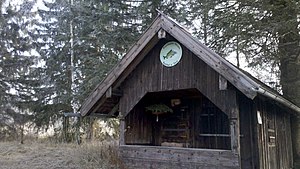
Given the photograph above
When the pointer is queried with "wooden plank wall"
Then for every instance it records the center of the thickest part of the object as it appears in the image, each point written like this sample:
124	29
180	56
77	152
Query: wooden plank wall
274	136
191	72
203	118
138	128
206	118
177	158
249	151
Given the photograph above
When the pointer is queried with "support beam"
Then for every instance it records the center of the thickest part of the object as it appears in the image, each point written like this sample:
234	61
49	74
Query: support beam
222	83
113	110
122	131
161	34
101	115
72	114
235	130
117	92
235	135
108	93
99	103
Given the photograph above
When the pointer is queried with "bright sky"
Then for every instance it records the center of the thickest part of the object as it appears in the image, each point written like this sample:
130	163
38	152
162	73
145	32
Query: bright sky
16	4
263	75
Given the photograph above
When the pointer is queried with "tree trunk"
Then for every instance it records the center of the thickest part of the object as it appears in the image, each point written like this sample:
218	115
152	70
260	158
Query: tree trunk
285	15
154	5
290	80
65	129
21	134
77	132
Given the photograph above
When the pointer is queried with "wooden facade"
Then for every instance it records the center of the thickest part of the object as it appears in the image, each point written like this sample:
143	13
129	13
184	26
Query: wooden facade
221	117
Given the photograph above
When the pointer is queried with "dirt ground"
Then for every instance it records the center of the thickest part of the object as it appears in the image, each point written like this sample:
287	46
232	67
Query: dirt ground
37	156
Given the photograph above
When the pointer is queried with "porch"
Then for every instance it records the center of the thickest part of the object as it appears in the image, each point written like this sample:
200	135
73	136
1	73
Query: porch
136	156
196	134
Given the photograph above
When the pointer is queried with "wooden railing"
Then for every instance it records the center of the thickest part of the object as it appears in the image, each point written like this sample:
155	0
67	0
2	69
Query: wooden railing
176	158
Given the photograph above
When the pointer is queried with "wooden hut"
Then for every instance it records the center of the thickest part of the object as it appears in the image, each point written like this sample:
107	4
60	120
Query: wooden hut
181	105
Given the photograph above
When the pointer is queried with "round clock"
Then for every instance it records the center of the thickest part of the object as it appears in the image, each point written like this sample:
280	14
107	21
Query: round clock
170	54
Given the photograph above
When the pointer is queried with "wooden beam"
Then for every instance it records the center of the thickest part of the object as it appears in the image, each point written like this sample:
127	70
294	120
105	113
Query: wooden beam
135	156
108	92
101	115
161	34
222	83
122	131
72	114
215	135
235	135
219	64
139	46
235	128
99	103
114	110
117	92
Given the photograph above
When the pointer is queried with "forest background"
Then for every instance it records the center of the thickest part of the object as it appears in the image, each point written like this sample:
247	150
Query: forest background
53	53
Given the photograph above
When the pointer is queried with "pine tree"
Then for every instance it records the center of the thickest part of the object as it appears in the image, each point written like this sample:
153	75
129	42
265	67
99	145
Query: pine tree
16	64
100	34
266	33
285	15
54	95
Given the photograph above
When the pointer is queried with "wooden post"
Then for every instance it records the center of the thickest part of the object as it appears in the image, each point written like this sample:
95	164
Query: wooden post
235	132
235	135
122	130
65	129
235	125
77	133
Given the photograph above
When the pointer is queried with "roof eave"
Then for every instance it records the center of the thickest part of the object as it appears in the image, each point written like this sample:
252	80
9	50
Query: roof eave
241	81
100	90
278	98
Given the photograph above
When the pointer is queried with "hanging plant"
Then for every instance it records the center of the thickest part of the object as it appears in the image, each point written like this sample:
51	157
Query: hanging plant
158	109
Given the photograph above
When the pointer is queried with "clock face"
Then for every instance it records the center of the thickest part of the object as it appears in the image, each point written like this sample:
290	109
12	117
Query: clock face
170	54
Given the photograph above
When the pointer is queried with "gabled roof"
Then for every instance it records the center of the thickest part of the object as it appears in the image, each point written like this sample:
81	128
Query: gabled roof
248	85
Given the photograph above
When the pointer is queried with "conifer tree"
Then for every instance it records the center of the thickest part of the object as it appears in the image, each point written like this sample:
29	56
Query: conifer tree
267	34
17	83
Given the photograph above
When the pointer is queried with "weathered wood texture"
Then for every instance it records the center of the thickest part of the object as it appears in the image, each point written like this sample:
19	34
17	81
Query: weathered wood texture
226	69
177	158
200	125
267	145
191	72
207	120
248	147
140	48
138	127
122	132
274	136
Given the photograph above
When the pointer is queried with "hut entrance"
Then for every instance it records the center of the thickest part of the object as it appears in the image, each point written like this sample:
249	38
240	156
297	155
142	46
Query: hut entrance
182	118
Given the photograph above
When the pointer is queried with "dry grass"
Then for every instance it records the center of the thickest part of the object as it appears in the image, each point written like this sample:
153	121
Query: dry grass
37	155
96	155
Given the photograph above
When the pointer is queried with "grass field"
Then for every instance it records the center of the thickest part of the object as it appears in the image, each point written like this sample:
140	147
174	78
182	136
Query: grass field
37	155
